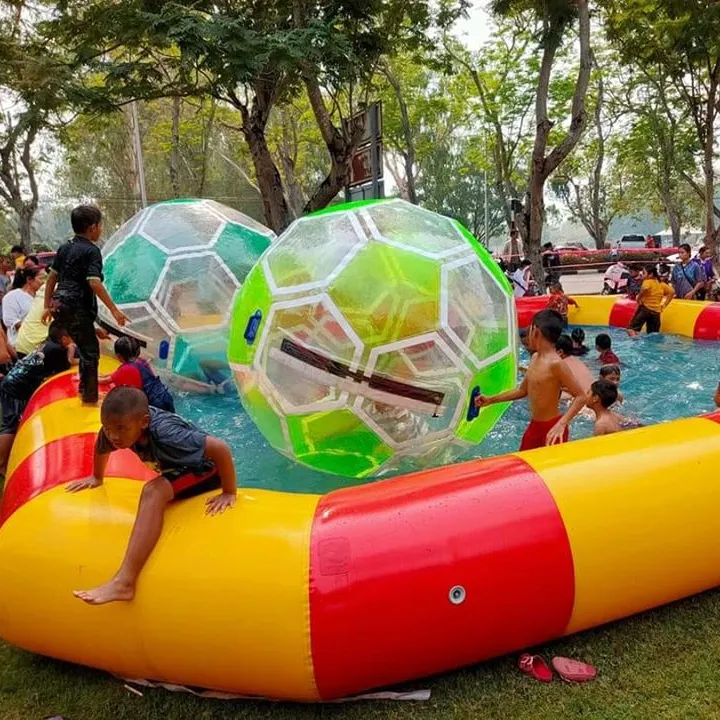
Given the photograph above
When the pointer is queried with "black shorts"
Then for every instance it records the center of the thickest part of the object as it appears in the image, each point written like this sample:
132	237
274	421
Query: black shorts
189	483
645	316
12	411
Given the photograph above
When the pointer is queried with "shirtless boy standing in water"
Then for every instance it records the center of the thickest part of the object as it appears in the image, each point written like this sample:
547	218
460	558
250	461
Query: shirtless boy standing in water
546	377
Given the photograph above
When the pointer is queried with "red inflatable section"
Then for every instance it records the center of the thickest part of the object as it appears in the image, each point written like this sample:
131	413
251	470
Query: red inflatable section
62	461
528	307
622	312
707	326
420	581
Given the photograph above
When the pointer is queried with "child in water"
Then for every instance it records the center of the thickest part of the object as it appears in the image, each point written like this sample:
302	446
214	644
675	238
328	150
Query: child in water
603	344
612	374
578	341
187	461
136	372
546	377
601	397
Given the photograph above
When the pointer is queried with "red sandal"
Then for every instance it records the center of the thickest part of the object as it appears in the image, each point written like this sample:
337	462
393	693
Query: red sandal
574	670
535	667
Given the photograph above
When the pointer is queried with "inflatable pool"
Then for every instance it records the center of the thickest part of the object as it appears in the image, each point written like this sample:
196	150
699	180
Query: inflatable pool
312	598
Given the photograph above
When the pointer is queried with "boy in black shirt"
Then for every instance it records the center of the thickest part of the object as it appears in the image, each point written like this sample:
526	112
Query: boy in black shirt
186	459
77	274
56	355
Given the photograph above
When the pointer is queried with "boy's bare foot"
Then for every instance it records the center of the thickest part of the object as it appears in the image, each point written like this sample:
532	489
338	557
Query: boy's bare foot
114	591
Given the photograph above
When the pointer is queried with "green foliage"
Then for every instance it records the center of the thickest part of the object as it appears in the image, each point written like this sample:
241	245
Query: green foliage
209	157
556	15
677	44
453	183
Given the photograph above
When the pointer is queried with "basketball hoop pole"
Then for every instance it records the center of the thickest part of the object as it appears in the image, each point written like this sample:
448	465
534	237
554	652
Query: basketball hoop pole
374	152
139	162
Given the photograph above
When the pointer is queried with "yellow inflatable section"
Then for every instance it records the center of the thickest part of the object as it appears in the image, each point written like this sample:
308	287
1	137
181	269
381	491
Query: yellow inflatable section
309	597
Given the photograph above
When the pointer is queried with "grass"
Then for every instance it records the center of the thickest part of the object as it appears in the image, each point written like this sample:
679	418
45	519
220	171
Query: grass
661	665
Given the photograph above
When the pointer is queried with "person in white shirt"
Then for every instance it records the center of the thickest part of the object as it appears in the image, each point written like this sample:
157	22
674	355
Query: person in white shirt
17	303
522	279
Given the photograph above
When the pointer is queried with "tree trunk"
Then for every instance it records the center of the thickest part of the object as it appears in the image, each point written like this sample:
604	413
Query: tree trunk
599	206
335	180
254	125
175	148
18	144
671	210
709	172
542	166
25	218
339	146
206	148
410	154
277	215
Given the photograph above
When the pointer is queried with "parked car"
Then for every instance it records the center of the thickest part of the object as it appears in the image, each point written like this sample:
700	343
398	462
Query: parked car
571	247
46	258
635	241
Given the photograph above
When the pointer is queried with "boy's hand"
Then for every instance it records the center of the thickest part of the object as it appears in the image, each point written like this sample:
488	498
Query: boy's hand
481	401
120	317
556	436
47	316
102	333
86	484
220	503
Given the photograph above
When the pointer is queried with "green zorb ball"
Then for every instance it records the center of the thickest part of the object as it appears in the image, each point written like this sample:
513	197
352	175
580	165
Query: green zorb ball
174	269
361	338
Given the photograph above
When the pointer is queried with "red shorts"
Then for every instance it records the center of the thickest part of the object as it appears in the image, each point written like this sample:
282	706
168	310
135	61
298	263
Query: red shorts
536	434
187	483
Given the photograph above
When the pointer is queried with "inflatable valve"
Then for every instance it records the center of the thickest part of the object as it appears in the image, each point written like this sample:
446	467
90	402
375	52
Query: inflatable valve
252	326
473	411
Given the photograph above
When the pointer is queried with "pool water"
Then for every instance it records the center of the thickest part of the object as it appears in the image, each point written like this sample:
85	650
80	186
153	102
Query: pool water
664	377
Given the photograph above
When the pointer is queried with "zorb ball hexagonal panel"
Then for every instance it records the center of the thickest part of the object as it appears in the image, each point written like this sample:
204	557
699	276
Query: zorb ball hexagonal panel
175	268
361	338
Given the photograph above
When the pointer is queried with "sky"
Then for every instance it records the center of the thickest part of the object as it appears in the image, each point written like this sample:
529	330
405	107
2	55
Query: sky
475	29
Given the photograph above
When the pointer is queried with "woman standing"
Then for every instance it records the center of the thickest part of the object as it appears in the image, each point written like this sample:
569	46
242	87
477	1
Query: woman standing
654	297
17	303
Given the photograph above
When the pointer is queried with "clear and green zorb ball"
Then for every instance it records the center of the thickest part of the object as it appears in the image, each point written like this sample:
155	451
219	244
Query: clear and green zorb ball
174	268
360	339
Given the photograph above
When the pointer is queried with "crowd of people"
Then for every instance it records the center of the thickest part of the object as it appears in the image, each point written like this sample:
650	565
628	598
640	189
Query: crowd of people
49	325
692	277
557	375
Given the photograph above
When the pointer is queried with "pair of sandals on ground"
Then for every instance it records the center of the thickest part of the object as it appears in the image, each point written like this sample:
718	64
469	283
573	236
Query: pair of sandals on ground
568	669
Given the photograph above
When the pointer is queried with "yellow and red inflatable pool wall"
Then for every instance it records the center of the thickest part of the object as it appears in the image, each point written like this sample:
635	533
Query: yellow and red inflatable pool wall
697	320
323	597
66	453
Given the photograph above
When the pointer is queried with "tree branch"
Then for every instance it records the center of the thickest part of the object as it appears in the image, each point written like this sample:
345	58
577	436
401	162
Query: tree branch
579	116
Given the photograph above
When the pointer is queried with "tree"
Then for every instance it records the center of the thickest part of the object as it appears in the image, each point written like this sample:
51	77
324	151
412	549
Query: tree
556	17
453	183
298	150
660	180
28	100
591	184
254	56
681	40
423	107
503	75
211	159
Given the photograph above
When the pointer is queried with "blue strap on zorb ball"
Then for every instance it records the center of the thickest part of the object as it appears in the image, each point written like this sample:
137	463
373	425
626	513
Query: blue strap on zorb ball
252	326
473	411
